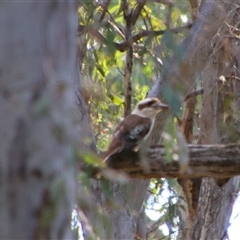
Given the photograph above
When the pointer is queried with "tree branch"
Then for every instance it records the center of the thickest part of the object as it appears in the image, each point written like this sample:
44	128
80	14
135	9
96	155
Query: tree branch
193	94
105	5
137	11
123	46
217	161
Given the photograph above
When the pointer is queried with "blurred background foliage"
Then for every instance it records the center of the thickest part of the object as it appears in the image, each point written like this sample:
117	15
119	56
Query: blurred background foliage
101	31
157	28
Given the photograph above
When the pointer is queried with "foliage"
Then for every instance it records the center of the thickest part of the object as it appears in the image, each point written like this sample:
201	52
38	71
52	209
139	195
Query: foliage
103	65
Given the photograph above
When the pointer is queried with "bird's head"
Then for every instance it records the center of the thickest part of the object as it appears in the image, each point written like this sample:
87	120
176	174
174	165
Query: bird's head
149	108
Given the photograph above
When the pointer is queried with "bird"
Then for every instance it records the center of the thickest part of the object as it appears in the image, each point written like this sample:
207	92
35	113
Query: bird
136	127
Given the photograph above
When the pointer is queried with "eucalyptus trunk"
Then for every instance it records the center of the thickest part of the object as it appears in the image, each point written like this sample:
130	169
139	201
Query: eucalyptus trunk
38	71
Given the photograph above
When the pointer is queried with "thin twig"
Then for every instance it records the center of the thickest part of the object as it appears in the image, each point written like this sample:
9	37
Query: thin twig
136	11
192	94
105	9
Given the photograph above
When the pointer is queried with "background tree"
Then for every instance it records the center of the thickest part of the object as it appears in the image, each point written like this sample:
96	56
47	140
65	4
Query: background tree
38	125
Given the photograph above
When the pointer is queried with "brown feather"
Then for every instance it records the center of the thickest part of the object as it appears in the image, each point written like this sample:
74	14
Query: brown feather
129	133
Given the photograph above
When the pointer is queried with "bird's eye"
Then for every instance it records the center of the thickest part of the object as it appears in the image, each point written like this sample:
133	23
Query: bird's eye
151	103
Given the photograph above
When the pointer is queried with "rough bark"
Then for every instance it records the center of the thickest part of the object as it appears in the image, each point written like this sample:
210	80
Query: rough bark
187	214
211	222
218	161
214	209
38	124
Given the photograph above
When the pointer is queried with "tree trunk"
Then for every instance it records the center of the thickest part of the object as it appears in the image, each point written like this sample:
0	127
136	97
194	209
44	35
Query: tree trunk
38	68
215	203
214	209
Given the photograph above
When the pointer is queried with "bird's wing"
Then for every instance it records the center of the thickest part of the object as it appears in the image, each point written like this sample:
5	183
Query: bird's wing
129	133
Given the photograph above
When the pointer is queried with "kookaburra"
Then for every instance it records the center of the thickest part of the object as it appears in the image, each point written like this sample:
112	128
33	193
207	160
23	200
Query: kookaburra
136	127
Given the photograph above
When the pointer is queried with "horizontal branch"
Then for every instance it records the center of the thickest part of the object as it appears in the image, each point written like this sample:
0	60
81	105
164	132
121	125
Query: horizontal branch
123	46
216	161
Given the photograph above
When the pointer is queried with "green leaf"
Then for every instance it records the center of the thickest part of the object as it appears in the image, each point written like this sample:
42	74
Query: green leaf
92	159
115	99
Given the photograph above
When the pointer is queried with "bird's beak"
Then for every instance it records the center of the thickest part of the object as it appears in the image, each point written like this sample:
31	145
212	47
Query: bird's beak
161	106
